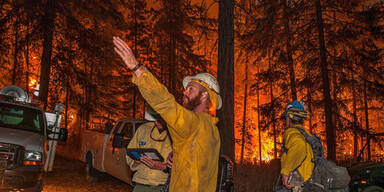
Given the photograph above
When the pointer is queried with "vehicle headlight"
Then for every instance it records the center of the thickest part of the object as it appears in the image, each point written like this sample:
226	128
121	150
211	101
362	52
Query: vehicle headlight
32	156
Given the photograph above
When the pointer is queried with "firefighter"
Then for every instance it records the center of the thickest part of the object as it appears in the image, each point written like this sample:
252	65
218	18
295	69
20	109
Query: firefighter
192	125
296	159
150	175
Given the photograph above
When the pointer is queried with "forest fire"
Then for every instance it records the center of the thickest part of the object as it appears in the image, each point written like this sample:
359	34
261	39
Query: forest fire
328	54
252	155
266	151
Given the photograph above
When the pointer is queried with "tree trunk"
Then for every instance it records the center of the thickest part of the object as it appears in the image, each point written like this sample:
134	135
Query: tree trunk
136	53
16	48
273	119
225	73
85	96
309	104
367	119
355	122
335	109
330	131
66	102
273	125
362	138
258	115
243	130
273	116
48	22
289	52
172	75
134	102
309	98
27	59
67	85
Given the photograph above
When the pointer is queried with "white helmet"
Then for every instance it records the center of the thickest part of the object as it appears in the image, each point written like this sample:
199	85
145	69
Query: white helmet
210	80
149	117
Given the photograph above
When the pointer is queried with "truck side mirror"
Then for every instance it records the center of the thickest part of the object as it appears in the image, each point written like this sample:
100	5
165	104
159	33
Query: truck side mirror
108	127
119	141
62	135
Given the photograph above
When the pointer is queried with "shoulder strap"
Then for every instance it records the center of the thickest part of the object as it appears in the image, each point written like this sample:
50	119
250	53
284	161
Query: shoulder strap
315	142
303	132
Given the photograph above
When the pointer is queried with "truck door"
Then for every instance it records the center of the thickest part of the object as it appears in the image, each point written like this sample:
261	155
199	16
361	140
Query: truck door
117	165
106	156
109	162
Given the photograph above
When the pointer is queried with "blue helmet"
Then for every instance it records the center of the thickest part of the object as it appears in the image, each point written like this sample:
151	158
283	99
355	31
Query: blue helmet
296	110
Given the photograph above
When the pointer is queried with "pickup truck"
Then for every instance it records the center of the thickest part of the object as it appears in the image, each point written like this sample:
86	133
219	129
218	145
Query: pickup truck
367	176
105	151
27	140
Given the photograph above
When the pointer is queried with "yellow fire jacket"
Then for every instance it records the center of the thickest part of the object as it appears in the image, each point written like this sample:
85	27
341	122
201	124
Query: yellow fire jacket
196	139
142	139
299	153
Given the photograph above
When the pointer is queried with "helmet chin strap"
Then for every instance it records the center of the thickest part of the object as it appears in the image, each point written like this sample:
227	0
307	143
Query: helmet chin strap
213	98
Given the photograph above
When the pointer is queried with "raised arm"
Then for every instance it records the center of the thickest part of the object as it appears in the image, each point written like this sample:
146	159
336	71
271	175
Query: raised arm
157	94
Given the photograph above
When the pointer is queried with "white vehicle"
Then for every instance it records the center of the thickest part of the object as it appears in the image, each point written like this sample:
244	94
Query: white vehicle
105	151
28	138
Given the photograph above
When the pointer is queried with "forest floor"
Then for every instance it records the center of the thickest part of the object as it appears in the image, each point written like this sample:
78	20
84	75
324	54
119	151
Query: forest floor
247	177
69	176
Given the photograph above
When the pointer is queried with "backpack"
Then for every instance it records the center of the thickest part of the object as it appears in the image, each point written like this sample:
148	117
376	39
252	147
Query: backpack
326	174
225	175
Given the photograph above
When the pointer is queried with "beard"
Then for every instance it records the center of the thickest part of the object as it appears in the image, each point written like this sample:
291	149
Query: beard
191	103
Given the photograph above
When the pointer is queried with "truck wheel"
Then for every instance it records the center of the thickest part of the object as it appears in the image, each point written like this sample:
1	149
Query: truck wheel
91	174
373	189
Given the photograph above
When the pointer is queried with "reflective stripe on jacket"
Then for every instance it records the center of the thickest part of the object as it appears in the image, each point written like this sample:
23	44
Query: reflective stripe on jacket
299	153
142	139
196	139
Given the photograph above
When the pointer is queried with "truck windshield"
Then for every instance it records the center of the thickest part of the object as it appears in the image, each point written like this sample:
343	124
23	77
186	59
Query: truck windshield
19	117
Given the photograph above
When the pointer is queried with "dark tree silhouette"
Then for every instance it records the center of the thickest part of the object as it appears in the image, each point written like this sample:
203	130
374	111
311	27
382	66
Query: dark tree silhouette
225	71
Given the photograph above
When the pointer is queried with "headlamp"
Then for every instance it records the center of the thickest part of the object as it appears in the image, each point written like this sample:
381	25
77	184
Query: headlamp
32	156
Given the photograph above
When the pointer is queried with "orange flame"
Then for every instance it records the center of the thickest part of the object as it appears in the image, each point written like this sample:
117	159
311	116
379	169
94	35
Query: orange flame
267	149
32	82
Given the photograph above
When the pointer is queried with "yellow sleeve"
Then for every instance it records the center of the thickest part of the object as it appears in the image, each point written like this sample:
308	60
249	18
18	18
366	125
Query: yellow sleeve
177	117
134	143
296	152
